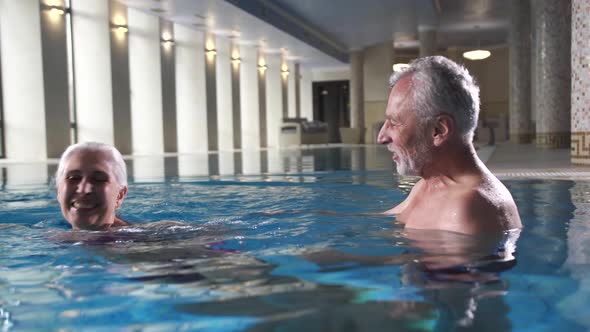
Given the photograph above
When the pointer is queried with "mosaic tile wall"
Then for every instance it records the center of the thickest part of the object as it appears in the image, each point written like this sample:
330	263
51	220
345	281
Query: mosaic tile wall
553	88
520	72
580	82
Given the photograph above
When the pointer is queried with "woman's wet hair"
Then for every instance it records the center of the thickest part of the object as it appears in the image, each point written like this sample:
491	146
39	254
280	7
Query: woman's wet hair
440	85
119	167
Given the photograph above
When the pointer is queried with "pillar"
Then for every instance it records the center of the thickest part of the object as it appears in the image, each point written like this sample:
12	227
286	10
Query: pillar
145	83
167	55
262	69
427	38
211	91
580	97
552	30
92	68
249	103
297	83
55	29
235	95
120	79
291	83
357	113
306	93
520	72
223	80
191	104
274	99
22	80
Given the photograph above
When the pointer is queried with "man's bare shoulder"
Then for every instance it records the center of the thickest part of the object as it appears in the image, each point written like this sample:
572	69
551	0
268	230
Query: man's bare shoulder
398	209
487	207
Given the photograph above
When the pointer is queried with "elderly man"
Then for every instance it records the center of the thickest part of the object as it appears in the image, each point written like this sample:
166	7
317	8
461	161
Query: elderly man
429	123
91	183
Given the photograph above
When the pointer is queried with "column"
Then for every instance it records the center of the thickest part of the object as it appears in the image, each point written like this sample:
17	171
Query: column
167	55
291	83
580	82
552	29
297	78
92	68
223	80
146	83
274	99
249	104
120	79
357	112
306	93
235	95
427	38
22	80
262	68
519	38
54	38
210	89
191	104
285	87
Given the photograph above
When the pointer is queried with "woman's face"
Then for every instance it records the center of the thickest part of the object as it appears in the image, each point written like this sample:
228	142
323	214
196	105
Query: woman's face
88	191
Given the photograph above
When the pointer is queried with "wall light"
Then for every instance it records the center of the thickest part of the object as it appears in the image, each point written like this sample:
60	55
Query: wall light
477	54
236	61
284	70
167	42
262	67
120	28
56	10
211	51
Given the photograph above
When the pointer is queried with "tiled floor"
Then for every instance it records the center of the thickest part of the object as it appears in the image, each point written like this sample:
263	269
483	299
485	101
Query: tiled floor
526	160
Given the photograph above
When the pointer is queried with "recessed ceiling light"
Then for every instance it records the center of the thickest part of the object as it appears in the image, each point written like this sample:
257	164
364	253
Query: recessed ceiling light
158	10
200	16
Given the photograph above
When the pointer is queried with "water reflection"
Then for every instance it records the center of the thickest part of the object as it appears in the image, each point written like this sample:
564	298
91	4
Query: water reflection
297	165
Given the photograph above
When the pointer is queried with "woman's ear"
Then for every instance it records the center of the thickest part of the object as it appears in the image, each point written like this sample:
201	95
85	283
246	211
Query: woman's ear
444	127
121	196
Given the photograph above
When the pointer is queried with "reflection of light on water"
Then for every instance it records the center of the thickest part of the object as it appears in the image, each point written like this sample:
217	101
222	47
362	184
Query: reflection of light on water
575	306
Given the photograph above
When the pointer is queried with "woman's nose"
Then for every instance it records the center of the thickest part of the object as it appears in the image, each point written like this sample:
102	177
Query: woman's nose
85	186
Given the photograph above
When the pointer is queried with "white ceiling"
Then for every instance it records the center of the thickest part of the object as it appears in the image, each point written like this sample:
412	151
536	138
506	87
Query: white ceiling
346	24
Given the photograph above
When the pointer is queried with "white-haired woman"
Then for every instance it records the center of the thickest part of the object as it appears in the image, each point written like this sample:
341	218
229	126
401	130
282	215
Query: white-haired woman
91	183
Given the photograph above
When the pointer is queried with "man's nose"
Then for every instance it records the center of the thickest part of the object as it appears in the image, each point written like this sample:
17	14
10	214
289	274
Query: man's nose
382	138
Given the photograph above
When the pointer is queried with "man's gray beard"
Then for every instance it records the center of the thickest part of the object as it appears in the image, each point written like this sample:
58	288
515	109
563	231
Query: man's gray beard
413	166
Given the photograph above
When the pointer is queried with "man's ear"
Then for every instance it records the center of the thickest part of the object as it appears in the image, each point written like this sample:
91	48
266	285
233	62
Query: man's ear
121	196
444	126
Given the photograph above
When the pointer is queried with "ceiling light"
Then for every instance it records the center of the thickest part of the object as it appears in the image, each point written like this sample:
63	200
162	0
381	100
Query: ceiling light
400	66
477	54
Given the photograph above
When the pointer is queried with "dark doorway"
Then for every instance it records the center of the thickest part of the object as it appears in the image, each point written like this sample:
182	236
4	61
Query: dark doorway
331	105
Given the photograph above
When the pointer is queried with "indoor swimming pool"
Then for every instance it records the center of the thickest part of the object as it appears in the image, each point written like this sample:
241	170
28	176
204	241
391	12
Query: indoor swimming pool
275	241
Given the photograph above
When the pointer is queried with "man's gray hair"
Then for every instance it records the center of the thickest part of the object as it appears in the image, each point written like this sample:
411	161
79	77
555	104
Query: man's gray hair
439	85
119	167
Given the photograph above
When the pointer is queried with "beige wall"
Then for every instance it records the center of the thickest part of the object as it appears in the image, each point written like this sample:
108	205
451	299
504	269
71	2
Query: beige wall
491	75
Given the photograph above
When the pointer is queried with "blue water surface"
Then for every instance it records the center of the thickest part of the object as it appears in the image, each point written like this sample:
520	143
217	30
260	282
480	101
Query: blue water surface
254	249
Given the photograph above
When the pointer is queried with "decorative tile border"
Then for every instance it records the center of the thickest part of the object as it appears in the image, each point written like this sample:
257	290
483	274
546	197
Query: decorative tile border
522	138
557	140
581	148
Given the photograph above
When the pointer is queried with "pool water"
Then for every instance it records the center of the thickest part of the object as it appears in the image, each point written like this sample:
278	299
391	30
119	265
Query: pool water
247	244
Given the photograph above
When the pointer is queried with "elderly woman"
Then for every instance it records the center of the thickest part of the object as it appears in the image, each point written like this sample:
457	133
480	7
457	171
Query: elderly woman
91	183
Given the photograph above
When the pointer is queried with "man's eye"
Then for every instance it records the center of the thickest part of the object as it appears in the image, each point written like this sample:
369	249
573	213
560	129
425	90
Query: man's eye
72	177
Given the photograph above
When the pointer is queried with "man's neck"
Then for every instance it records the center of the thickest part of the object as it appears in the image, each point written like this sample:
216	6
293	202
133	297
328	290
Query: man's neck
453	163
